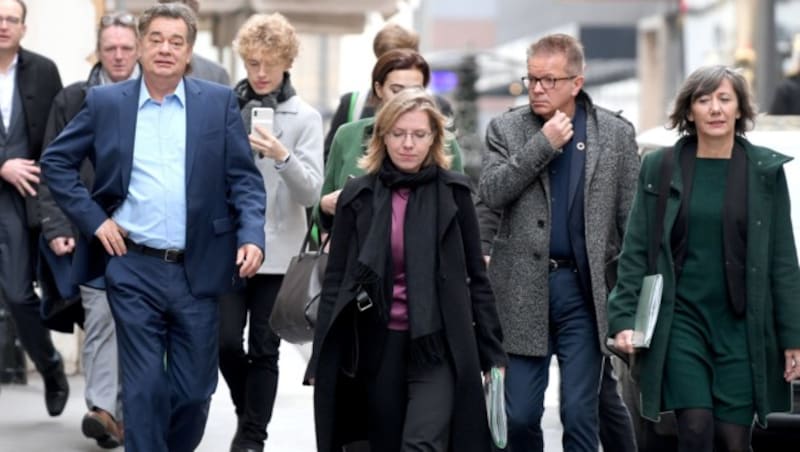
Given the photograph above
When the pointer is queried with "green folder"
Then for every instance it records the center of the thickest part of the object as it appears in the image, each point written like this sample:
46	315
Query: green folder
647	310
494	390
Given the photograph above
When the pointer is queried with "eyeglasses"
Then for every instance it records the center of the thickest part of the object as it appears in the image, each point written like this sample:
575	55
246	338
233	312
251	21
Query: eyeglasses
11	20
547	82
124	19
417	136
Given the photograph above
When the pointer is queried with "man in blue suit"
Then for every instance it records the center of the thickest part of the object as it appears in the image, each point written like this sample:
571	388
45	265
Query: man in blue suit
175	217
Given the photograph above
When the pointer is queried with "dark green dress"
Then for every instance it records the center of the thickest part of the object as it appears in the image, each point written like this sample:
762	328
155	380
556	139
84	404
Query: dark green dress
707	363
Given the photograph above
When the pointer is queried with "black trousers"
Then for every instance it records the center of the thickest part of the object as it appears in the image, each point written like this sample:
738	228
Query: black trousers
252	376
17	261
409	408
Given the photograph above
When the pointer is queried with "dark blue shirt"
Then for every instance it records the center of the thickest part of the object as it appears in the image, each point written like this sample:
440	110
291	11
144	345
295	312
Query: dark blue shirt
560	170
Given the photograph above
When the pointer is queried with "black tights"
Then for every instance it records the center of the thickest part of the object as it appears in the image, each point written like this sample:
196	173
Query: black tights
698	431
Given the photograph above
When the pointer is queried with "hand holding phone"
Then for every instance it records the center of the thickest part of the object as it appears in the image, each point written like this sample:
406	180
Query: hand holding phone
262	116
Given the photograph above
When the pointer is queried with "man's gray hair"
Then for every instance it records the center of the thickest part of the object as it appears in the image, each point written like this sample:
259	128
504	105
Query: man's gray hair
171	11
564	44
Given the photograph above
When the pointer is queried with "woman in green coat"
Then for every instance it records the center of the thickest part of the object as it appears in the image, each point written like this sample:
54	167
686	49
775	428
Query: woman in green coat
727	339
394	71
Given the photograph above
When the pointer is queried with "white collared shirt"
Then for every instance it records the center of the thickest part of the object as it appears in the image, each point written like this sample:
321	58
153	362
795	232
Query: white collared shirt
7	85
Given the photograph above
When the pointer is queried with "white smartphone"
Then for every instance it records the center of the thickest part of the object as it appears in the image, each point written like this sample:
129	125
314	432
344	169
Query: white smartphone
262	116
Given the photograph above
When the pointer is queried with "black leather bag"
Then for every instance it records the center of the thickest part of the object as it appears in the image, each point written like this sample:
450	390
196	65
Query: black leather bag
295	312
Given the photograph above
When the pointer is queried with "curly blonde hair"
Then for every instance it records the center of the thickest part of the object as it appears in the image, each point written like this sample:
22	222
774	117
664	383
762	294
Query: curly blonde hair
268	36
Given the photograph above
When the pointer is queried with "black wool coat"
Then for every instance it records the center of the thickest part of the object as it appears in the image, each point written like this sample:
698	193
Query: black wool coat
472	328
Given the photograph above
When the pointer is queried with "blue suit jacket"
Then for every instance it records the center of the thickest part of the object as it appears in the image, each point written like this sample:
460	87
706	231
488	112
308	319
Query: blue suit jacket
225	197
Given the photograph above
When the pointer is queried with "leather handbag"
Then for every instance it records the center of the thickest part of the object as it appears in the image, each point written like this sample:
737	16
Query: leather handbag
295	312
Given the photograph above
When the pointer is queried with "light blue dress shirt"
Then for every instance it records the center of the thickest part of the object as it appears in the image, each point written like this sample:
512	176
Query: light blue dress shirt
154	212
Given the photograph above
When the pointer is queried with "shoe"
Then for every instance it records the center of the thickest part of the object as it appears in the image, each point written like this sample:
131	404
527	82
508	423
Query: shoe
100	425
56	391
245	449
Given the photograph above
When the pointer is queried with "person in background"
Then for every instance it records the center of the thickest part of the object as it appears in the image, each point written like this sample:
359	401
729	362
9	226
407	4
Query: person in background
28	84
407	319
175	218
290	161
727	340
201	67
394	71
357	105
563	172
117	53
787	94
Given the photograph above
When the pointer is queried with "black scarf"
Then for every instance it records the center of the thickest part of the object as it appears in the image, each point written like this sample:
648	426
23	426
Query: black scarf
734	220
374	267
248	99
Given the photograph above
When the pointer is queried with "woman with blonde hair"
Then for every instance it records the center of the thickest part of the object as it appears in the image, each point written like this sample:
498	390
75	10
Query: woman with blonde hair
399	348
290	160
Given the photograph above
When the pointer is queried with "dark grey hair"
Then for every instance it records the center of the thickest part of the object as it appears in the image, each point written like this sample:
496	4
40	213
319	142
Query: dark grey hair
170	11
564	44
705	81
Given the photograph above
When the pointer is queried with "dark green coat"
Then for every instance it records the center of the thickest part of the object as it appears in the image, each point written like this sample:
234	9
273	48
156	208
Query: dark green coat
773	278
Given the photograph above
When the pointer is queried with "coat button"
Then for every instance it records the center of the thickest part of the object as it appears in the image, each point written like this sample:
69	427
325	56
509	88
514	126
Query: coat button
758	222
540	223
537	256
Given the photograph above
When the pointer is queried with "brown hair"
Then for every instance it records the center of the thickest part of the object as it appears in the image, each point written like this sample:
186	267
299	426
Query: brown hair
193	4
411	99
705	81
395	60
560	43
170	11
393	36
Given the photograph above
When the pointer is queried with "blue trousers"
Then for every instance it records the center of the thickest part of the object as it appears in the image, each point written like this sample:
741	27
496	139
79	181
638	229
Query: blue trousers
167	341
573	339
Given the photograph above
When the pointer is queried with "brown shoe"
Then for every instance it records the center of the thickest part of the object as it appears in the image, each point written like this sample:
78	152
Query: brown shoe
100	425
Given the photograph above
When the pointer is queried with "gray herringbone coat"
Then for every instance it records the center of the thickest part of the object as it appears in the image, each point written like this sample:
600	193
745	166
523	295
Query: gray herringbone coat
514	180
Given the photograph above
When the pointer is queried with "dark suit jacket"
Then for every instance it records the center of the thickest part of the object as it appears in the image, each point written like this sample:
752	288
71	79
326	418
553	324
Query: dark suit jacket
38	83
225	198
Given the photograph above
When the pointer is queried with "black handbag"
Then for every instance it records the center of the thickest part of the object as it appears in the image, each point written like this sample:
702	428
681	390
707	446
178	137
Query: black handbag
295	312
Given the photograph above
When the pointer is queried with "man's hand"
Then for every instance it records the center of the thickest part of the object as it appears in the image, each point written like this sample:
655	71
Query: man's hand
62	245
267	145
23	174
112	237
792	369
328	202
248	259
623	341
558	130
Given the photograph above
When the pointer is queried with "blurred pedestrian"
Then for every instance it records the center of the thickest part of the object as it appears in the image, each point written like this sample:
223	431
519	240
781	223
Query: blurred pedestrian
394	71
201	67
28	84
290	161
562	171
176	216
117	53
727	339
407	319
357	105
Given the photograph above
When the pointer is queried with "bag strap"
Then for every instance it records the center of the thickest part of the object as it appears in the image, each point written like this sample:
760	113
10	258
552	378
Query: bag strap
307	239
665	177
351	112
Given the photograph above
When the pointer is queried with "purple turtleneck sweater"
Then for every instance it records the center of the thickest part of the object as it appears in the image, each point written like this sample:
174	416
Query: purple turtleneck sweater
398	315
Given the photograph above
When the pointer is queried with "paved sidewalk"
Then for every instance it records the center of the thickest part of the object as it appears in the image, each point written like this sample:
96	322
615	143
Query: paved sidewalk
26	427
